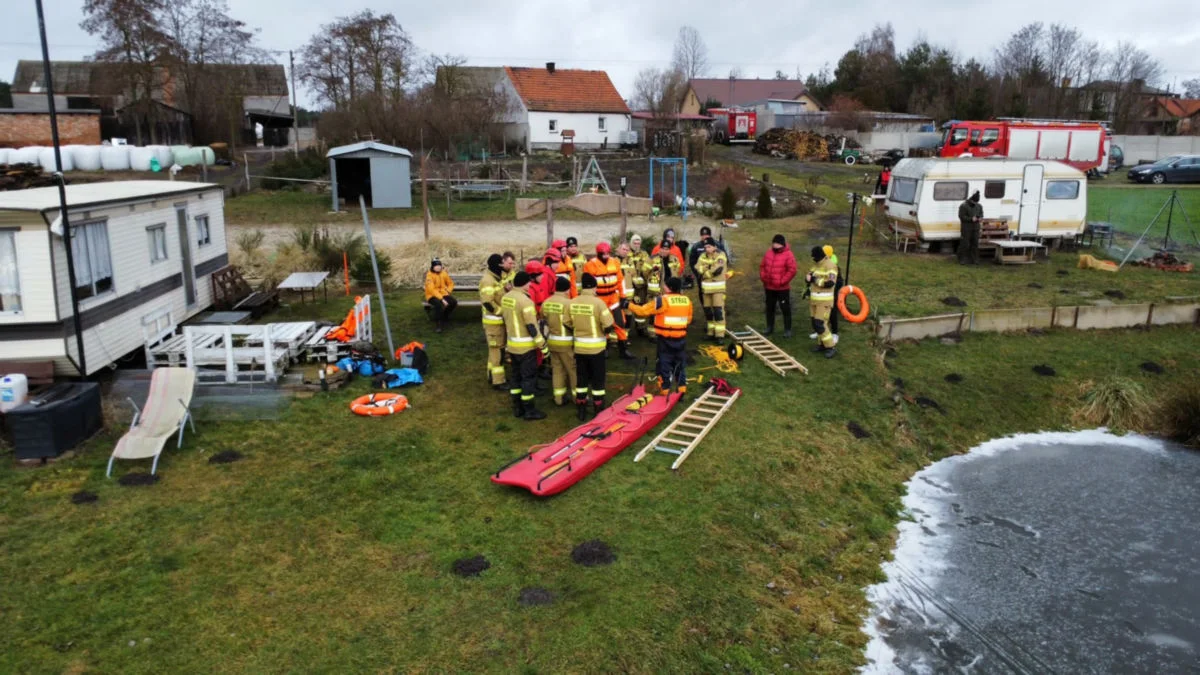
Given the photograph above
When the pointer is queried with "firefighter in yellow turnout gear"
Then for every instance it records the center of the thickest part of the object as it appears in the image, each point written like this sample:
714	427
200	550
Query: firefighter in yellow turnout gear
524	343
662	267
711	267
589	319
822	279
561	339
491	290
639	266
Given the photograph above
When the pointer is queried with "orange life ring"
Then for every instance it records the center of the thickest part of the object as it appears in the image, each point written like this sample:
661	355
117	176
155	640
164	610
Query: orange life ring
378	405
863	310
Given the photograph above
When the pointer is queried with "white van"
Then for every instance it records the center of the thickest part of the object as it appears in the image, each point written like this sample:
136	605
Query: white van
1038	198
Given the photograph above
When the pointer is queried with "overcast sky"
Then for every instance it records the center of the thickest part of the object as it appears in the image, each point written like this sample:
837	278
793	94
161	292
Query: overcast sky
624	36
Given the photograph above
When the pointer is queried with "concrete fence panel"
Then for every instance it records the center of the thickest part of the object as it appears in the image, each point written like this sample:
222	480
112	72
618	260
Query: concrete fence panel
1114	316
919	329
1164	315
1153	148
1064	317
1005	320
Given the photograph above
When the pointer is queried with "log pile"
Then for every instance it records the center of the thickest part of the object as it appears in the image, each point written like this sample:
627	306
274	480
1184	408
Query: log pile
802	145
1167	262
23	176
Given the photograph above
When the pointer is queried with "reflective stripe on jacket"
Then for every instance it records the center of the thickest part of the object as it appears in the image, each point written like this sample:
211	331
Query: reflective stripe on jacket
711	269
519	313
824	279
491	290
588	317
672	313
558	334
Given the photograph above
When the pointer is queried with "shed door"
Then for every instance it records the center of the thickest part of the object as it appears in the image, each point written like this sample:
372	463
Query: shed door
1031	199
185	255
390	188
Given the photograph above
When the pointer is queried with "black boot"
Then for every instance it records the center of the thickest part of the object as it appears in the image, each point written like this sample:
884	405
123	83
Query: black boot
830	353
818	349
597	406
580	410
532	413
518	406
623	350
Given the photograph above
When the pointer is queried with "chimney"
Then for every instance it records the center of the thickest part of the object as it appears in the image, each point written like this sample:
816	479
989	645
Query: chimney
550	67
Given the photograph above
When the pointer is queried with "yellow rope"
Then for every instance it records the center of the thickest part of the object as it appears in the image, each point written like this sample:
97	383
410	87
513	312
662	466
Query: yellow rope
724	363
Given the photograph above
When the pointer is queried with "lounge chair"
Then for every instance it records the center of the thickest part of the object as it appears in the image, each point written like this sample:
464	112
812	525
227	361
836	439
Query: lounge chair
166	412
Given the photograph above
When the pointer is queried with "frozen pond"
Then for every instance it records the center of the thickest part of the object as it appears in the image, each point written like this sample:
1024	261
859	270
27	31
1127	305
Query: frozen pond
1056	552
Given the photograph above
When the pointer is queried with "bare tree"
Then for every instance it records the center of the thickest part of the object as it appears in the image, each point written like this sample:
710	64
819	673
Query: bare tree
691	54
366	53
659	91
1133	70
1191	88
132	36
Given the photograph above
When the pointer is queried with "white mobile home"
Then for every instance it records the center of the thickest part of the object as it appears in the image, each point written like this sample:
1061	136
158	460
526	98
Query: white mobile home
1038	198
143	255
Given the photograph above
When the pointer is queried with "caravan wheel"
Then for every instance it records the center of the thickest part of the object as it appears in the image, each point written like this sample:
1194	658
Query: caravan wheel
850	160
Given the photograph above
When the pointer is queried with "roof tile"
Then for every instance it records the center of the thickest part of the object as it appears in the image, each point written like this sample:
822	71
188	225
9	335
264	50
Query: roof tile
565	90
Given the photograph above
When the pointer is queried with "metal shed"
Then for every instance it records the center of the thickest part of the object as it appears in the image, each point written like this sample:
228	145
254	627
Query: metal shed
378	172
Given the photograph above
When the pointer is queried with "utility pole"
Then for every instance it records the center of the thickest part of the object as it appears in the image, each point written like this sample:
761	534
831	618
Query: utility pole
424	188
62	194
295	107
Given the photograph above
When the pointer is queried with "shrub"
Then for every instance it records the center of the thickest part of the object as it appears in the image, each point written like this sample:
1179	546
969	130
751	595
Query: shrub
360	267
765	209
248	242
725	177
1179	415
308	165
664	199
1117	402
728	203
803	207
302	237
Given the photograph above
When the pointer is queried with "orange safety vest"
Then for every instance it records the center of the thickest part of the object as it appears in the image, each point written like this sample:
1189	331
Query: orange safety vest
673	316
349	327
608	279
567	270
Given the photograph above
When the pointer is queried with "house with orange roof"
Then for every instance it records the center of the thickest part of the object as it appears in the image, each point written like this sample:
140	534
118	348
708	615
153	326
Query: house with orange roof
550	102
1172	116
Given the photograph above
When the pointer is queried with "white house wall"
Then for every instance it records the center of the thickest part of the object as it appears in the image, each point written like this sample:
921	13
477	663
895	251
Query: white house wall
121	334
585	125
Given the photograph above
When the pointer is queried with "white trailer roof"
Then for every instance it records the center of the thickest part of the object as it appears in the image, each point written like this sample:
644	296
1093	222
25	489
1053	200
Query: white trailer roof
95	194
969	167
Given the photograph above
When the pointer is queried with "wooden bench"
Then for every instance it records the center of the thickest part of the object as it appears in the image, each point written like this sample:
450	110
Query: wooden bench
466	290
1015	252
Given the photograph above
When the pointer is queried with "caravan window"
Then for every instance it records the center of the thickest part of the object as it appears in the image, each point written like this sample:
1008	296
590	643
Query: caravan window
158	242
904	190
203	235
993	189
1062	189
93	261
949	191
10	280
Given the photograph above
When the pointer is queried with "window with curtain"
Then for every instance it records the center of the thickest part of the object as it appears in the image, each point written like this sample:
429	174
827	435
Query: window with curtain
203	236
158	242
93	261
10	280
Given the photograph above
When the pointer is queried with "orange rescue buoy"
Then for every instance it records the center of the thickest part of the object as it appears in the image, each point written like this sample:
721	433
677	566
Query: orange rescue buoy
864	307
378	405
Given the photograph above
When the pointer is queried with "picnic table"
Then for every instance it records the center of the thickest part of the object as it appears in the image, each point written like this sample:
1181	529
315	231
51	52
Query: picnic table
305	281
1016	252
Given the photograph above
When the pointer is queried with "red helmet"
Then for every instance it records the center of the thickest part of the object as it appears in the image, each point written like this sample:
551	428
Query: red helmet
558	243
553	254
603	247
534	267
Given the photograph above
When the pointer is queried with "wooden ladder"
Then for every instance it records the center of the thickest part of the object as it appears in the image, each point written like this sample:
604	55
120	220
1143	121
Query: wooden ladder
775	358
682	436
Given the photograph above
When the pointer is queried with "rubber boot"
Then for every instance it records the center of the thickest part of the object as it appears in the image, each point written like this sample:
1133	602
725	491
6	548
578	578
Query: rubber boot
580	410
532	413
597	406
818	349
518	406
623	350
830	353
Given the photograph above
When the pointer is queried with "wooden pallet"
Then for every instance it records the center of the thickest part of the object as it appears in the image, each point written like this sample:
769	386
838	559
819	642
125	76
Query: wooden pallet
682	436
775	358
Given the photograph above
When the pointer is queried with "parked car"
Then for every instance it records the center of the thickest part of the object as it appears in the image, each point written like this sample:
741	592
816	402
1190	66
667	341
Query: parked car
890	157
1173	169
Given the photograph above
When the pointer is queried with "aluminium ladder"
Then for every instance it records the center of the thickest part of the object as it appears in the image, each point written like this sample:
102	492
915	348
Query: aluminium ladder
682	436
775	358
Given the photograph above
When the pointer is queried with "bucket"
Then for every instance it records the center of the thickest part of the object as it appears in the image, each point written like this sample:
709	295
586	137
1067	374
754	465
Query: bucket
14	389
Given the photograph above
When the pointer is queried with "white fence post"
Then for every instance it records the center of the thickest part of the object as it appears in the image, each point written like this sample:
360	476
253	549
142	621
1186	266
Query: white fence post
268	354
230	363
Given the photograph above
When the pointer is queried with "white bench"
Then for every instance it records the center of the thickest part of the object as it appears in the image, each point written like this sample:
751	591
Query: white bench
1015	252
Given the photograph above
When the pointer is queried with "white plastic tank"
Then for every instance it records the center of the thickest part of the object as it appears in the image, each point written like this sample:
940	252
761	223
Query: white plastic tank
14	389
4	152
207	156
46	159
181	155
86	157
164	156
114	157
26	155
139	158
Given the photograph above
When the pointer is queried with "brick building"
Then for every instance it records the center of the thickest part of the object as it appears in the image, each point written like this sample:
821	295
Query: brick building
19	128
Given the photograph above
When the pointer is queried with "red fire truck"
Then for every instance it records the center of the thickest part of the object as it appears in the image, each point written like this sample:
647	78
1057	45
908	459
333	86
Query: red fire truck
1083	145
733	125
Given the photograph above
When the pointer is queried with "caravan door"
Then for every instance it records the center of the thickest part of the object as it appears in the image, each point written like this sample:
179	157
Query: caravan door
1031	199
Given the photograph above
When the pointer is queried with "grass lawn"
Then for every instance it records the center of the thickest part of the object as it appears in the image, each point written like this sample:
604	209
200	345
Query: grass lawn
330	546
266	207
1131	208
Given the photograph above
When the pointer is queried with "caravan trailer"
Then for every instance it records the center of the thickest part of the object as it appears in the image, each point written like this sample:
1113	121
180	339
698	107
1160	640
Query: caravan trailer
143	255
1039	199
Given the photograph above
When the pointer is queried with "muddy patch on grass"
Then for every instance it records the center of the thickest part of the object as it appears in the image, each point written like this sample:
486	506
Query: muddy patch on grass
954	378
1044	370
953	301
138	478
898	383
593	553
926	402
856	429
533	596
1116	295
225	457
1062	273
1152	367
471	567
1035	285
84	497
1036	331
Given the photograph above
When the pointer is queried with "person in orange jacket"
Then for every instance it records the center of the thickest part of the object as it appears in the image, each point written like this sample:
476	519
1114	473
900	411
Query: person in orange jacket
669	237
539	289
438	287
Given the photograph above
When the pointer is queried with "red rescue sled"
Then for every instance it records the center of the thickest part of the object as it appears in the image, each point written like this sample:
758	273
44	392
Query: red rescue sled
549	469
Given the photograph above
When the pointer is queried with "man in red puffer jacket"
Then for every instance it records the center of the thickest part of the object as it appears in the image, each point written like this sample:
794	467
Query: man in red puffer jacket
777	269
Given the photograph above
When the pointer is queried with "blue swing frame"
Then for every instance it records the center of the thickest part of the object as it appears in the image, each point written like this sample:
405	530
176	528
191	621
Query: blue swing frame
675	163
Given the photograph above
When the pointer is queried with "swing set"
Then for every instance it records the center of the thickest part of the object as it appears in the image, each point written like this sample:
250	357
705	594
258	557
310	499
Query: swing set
676	164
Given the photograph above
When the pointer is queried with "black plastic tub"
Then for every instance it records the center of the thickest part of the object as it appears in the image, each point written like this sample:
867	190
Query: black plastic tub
56	420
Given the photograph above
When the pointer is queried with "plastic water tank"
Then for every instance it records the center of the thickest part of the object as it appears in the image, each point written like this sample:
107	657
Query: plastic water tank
46	159
26	155
182	155
114	157
14	389
164	155
86	157
139	158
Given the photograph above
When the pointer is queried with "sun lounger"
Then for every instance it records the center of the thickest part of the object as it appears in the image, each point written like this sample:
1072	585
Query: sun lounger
166	412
